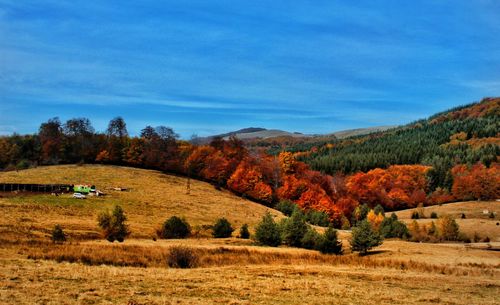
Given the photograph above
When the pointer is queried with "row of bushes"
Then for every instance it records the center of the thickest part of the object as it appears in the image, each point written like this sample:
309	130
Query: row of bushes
295	232
176	227
114	228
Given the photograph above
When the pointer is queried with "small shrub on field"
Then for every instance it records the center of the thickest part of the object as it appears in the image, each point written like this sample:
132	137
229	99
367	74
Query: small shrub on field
294	228
58	235
310	239
286	207
463	216
492	215
486	239
244	233
391	227
182	257
415	215
464	238
434	215
267	232
364	237
222	228
476	237
113	224
174	227
328	243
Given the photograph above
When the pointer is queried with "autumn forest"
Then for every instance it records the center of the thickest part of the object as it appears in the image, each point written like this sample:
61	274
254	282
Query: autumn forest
452	156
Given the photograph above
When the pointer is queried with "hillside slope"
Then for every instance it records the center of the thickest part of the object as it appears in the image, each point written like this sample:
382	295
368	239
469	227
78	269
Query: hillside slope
342	134
463	135
151	198
477	219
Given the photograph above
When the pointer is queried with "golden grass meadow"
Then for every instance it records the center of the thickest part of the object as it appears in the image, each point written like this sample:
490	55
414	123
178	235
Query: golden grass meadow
89	270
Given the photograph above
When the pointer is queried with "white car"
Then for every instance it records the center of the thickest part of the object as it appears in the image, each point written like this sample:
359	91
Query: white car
79	196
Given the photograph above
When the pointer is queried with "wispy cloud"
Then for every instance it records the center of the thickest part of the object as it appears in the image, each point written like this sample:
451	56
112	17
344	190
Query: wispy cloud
290	65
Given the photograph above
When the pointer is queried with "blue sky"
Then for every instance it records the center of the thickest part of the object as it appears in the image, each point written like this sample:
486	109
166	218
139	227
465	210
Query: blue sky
205	67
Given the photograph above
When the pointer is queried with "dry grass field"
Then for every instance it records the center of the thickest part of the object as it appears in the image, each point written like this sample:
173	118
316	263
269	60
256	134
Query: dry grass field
89	270
476	220
151	198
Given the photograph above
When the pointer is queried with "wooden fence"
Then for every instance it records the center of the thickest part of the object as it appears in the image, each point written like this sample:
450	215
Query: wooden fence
38	188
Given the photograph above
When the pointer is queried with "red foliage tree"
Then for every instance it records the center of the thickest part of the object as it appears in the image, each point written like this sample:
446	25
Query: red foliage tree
216	168
197	160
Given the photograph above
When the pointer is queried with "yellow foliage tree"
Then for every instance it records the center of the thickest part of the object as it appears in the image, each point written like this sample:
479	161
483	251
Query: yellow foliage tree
375	219
287	162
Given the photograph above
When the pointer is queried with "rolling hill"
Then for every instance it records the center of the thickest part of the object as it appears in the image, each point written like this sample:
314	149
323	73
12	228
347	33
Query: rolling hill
151	198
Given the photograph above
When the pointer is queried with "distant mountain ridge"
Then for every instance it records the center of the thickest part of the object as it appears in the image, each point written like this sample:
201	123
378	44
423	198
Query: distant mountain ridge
251	133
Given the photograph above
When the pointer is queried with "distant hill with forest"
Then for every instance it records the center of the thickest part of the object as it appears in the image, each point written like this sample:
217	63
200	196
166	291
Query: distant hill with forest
463	135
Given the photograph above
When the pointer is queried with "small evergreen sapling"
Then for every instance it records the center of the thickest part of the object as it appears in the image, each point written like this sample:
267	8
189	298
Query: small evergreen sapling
268	232
364	238
329	243
294	229
244	233
113	225
311	239
222	228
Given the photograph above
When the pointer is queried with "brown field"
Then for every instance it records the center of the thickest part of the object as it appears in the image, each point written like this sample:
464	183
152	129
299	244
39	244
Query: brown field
88	270
476	222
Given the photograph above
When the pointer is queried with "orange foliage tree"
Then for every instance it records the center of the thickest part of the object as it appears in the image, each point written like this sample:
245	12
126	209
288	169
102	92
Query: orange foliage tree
476	182
247	180
399	186
375	220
